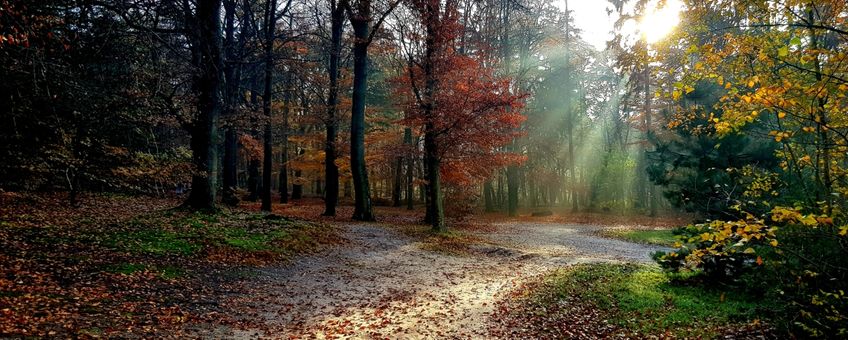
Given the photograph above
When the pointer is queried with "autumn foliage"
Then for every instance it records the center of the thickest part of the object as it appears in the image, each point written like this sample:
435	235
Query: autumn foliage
475	116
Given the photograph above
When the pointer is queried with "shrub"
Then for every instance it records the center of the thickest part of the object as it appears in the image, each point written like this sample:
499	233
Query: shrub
798	257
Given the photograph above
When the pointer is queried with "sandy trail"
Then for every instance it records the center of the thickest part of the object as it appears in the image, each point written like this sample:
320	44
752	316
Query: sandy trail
382	284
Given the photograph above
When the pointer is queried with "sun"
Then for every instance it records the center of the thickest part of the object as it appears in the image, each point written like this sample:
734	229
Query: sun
658	21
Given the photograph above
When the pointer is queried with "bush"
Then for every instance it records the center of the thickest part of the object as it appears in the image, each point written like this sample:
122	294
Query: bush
796	257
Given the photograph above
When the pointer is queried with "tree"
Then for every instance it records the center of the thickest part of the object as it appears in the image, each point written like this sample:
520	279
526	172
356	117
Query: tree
331	170
360	15
204	129
270	26
466	113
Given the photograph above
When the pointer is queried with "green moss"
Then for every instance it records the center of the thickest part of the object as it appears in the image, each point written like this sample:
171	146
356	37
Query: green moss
186	234
154	241
645	300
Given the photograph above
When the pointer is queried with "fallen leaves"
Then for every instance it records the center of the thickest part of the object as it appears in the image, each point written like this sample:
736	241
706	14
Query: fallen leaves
124	265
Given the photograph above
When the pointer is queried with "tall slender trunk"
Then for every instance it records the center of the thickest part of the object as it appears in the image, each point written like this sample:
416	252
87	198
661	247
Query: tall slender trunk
253	180
652	199
331	170
270	24
511	170
821	118
410	166
284	145
297	187
362	195
398	178
204	130
231	79
574	196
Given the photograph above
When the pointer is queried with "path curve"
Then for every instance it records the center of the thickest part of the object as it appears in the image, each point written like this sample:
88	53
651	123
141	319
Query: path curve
382	284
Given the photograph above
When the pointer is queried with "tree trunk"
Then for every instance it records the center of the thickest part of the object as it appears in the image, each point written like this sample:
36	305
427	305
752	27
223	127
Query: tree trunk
435	214
652	199
231	78
489	196
204	130
410	166
821	118
331	170
575	204
270	23
435	204
284	145
253	162
297	189
362	195
396	185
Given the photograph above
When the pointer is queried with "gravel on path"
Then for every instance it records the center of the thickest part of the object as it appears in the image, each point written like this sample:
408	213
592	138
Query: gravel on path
382	284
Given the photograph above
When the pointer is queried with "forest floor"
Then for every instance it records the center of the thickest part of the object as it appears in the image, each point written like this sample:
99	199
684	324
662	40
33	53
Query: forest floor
399	280
123	266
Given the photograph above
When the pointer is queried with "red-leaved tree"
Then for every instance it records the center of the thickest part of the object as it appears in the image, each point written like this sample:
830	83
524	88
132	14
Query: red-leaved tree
467	113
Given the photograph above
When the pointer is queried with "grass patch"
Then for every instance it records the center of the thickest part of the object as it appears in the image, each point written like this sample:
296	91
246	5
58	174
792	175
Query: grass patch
247	240
155	241
219	236
662	237
643	300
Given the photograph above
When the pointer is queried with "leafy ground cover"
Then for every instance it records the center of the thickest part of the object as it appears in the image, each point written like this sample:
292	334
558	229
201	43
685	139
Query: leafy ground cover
661	237
607	300
128	265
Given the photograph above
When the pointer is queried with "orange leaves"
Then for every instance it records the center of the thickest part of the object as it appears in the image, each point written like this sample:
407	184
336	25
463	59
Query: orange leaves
473	113
250	146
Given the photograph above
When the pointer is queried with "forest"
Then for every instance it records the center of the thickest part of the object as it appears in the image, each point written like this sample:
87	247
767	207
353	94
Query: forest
423	169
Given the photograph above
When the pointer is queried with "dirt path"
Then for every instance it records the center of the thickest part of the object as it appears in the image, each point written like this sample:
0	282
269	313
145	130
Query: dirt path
384	285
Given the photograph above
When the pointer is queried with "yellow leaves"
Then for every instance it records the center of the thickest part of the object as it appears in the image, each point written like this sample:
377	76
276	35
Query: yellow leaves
781	115
723	128
699	66
793	216
843	230
753	81
706	237
773	243
808	220
780	135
